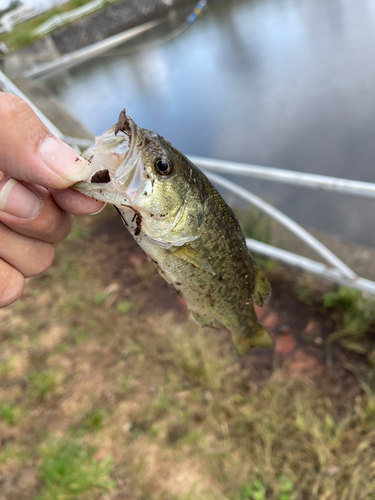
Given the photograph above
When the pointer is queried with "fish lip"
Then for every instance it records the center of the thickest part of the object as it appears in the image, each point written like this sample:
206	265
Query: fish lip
106	192
122	175
114	191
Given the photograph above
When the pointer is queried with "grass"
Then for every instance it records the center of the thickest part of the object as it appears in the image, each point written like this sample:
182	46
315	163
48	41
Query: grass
354	312
125	384
99	298
148	406
124	307
79	232
257	490
43	384
255	224
355	317
69	471
10	414
22	34
92	421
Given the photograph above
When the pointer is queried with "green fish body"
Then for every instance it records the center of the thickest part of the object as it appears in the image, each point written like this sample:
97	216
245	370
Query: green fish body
183	224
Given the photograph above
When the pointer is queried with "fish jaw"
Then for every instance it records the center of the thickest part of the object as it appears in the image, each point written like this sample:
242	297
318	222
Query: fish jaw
120	191
116	160
106	192
109	152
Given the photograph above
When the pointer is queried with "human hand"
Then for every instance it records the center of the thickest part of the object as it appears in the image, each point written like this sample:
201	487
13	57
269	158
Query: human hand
36	203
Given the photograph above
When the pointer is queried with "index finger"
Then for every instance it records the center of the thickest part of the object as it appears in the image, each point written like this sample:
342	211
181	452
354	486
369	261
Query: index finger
28	152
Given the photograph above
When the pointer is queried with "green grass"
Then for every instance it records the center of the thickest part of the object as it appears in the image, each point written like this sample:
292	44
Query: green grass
43	384
355	316
354	312
68	471
6	367
22	34
255	224
11	414
79	232
125	384
92	421
124	307
12	453
256	490
99	298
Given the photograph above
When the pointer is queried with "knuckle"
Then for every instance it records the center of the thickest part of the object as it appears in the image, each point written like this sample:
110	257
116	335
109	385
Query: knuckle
12	284
43	259
65	227
57	226
51	224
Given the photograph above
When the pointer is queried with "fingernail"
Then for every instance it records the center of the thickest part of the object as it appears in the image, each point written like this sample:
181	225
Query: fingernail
17	200
98	211
61	158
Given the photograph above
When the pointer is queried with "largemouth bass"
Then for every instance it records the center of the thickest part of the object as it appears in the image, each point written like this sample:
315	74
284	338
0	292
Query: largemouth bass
183	224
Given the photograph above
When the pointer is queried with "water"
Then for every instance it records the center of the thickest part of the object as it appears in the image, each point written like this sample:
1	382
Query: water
280	83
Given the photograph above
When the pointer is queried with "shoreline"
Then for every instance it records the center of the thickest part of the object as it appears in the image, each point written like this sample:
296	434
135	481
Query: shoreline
89	30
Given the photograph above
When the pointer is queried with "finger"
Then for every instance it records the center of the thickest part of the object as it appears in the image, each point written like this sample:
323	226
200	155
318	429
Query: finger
30	153
29	256
76	203
12	284
31	211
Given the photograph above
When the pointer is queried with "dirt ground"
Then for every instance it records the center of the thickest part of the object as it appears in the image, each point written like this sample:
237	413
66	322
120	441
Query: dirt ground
109	390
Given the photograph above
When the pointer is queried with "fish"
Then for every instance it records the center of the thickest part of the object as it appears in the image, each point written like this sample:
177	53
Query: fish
184	226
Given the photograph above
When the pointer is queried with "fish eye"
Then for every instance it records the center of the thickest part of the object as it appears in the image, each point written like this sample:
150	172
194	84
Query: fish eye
163	166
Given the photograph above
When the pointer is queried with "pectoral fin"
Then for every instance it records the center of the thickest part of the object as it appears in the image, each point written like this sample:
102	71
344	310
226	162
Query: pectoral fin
202	320
187	253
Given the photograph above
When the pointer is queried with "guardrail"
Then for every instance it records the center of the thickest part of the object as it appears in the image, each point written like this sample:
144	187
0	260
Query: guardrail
60	19
335	270
21	14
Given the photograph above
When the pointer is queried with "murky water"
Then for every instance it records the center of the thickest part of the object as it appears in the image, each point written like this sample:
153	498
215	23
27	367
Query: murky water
280	83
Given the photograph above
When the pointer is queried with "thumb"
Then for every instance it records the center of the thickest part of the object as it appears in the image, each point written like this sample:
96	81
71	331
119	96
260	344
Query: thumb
28	152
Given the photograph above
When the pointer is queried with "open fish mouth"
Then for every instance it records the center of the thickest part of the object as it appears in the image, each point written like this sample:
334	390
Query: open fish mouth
114	158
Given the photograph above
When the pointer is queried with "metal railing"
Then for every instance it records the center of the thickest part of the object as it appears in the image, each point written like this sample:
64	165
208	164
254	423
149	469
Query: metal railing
21	14
335	270
60	19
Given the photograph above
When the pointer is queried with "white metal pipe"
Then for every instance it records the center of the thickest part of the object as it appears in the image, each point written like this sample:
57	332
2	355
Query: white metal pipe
286	221
76	141
310	266
60	19
358	188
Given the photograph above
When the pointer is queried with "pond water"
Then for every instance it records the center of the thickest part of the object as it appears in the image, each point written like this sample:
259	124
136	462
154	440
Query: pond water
281	83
